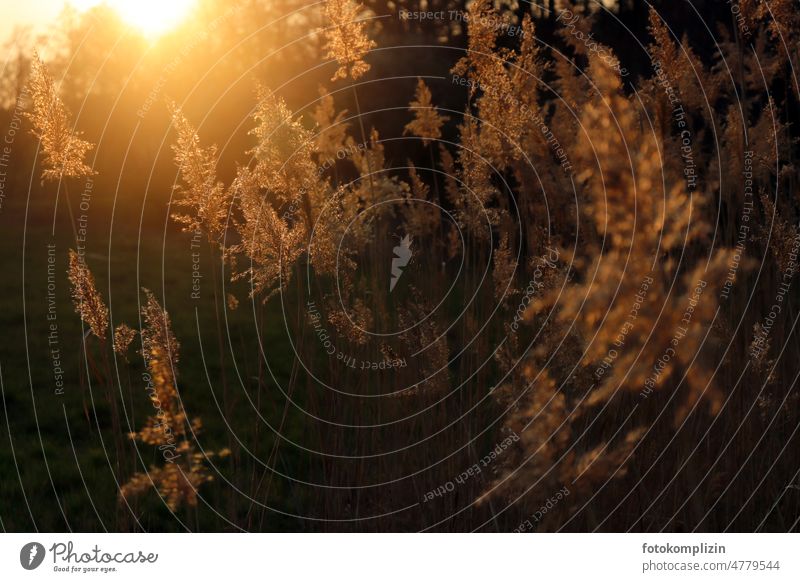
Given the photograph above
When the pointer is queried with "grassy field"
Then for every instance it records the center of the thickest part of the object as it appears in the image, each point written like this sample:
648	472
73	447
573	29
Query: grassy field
57	444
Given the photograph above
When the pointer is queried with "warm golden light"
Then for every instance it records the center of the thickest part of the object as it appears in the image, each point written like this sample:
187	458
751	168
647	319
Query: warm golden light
151	17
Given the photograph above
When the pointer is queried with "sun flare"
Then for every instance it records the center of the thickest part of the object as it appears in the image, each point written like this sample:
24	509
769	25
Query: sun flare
151	17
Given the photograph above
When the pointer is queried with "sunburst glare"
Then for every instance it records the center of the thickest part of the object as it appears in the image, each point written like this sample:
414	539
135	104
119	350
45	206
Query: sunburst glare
151	17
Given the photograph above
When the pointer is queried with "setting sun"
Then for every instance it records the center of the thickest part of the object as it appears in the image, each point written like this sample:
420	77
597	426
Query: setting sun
151	17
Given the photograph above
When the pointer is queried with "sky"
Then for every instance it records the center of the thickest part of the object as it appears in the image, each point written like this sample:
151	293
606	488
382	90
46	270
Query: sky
151	17
34	13
37	13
